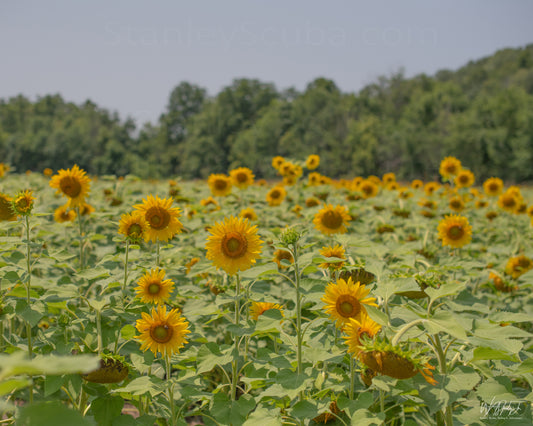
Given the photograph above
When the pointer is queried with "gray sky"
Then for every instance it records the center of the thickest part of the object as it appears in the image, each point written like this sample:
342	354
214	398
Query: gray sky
128	55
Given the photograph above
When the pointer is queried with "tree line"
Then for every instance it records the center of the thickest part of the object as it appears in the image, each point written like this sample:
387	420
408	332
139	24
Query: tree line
481	113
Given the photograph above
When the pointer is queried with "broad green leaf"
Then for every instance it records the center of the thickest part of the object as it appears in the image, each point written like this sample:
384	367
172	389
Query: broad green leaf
377	315
128	332
93	273
10	385
105	409
143	385
497	388
481	353
50	414
11	277
209	356
305	409
444	321
17	363
52	384
444	290
525	367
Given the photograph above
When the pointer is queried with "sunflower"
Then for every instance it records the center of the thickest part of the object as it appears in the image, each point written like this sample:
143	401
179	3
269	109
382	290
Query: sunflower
314	179
336	252
518	265
242	177
233	245
356	330
417	183
332	220
163	331
112	370
276	196
259	308
210	202
456	204
133	226
277	162
508	201
529	211
4	168
455	231
74	183
191	263
219	184
312	162
248	213
388	178
86	209
312	202
162	219
6	208
449	167
153	288
368	188
345	300
280	255
289	180
48	172
464	179
431	187
23	203
64	214
493	186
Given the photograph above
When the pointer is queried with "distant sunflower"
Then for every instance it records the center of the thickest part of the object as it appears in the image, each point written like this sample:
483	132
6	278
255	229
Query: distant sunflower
248	213
259	308
456	204
6	208
346	299
529	211
455	231
163	331
493	186
74	183
210	202
64	214
312	202
508	201
233	245
337	252
277	162
431	187
332	220
276	196
133	226
219	184
464	179
518	265
312	162
357	329
449	167
86	209
153	288
48	172
280	255
314	179
417	183
162	219
388	178
242	177
368	188
23	202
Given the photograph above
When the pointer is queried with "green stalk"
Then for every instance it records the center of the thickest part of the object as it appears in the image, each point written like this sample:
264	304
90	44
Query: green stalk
448	416
99	331
352	377
80	227
299	336
234	363
157	253
404	329
28	300
126	267
170	392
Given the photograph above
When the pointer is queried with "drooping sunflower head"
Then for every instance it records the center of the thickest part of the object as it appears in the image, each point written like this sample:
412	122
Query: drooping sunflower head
162	331
493	186
259	308
456	204
242	177
358	329
64	214
6	208
368	188
73	183
248	213
332	220
518	265
153	288
113	369
346	299
280	255
464	179
360	275
312	162
162	218
276	196
133	226
219	184
23	203
449	167
277	161
337	253
233	245
455	231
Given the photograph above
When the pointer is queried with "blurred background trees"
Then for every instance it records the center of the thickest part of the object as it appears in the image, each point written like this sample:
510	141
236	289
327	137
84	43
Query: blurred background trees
481	113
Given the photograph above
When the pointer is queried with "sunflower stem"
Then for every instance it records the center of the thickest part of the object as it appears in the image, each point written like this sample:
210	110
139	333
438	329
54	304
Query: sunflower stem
298	314
170	392
28	299
99	331
448	416
157	253
404	329
234	363
126	255
352	377
80	228
382	400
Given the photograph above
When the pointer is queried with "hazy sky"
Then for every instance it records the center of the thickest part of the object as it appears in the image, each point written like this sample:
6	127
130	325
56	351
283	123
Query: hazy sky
128	55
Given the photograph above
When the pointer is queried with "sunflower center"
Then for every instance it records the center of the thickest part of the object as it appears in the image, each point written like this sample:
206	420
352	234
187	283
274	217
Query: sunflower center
331	220
70	186
234	245
509	201
220	184
242	177
493	187
456	204
275	194
348	306
135	230
157	217
463	179
154	288
456	232
161	333
367	189
451	169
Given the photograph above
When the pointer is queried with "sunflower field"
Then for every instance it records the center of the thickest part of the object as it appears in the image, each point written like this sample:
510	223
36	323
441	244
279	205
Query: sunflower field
237	301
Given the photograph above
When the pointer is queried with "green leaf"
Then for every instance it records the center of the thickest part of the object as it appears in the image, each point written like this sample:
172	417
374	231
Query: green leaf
481	353
12	277
378	316
435	397
209	355
525	367
231	412
31	316
499	388
16	363
52	384
446	322
444	290
260	271
93	273
10	385
264	416
142	385
106	409
128	332
363	417
50	414
305	409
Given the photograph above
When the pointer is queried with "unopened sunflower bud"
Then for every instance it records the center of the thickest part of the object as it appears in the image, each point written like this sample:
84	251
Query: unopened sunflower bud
23	203
289	237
